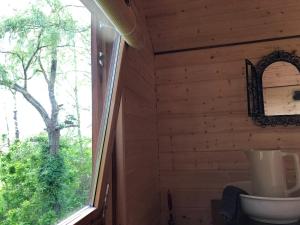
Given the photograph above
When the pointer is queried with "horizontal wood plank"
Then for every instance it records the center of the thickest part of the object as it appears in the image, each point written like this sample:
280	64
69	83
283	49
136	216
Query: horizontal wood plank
177	24
203	125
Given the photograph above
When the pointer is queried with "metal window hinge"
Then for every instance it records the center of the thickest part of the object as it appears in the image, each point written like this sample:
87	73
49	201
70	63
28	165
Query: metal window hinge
101	59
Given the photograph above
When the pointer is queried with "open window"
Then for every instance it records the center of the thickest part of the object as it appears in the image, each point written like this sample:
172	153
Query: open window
59	68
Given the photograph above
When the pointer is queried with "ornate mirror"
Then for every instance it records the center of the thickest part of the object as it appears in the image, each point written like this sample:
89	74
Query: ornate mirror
273	89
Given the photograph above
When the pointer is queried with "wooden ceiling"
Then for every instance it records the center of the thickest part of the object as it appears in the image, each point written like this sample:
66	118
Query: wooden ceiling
184	24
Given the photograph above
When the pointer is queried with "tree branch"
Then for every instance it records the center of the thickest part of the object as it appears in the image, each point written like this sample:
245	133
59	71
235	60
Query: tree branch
38	47
22	63
43	71
69	126
12	53
33	102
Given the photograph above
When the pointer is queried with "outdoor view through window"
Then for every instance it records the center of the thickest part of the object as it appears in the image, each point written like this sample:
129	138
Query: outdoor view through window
45	110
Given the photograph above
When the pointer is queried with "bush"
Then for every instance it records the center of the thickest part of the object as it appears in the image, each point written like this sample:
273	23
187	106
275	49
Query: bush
39	188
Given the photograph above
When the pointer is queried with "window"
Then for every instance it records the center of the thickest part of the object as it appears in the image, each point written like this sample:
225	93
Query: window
58	103
106	44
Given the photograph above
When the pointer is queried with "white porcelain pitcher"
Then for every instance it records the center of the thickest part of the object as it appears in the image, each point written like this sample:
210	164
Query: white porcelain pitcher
268	173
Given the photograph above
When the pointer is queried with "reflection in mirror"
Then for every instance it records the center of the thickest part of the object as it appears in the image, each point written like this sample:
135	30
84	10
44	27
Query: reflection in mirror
281	89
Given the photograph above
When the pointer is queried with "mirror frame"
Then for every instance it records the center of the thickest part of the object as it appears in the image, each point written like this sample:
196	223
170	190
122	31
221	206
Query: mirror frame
255	97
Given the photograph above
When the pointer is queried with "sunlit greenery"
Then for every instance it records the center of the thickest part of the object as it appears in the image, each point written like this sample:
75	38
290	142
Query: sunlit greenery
44	61
32	180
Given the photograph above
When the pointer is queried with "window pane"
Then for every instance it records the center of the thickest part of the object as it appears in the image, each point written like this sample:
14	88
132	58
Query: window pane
46	113
105	56
49	143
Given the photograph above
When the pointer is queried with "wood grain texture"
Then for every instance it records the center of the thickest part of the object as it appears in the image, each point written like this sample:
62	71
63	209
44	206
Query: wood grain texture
181	24
140	138
203	125
120	175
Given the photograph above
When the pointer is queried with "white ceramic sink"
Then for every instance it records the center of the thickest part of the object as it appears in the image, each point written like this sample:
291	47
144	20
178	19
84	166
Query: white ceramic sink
269	209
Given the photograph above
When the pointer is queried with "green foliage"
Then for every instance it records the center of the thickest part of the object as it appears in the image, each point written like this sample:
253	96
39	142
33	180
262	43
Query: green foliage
32	181
38	187
4	79
44	27
50	178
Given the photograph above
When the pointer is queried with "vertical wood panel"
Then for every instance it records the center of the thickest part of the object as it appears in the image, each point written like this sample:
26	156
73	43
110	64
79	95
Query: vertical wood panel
140	138
121	186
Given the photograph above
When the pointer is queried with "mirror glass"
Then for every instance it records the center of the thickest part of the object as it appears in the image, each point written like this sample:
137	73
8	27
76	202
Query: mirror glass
281	89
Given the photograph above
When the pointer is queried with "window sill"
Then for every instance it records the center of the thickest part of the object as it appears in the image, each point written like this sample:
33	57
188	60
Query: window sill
77	217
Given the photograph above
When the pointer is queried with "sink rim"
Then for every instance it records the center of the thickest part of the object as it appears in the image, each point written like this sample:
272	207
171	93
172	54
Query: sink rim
242	183
271	198
272	210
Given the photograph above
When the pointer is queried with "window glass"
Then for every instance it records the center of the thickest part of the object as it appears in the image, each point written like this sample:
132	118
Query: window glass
50	90
106	48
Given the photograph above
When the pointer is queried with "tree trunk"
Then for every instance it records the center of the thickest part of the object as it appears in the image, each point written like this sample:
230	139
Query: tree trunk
53	129
17	131
7	131
77	106
79	135
54	137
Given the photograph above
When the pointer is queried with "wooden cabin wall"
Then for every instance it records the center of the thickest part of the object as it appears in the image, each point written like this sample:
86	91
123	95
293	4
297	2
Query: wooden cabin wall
140	139
181	24
140	147
134	196
203	125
